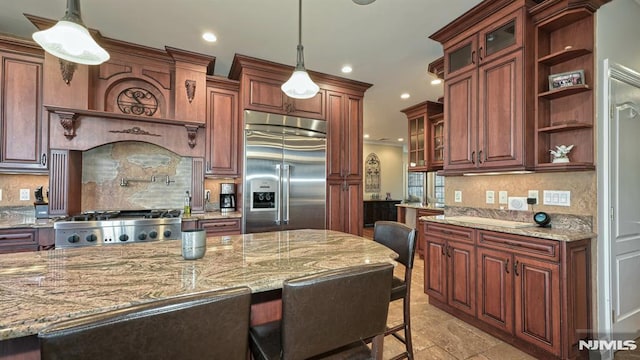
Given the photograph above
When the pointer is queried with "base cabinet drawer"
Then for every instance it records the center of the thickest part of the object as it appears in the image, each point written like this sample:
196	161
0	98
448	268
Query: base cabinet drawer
221	227
18	240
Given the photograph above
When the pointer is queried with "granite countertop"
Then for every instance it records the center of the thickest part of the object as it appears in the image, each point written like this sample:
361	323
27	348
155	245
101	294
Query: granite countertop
212	215
532	231
418	206
38	288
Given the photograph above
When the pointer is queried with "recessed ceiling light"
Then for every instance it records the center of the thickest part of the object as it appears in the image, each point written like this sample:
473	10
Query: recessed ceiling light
405	96
347	69
366	136
210	37
400	139
436	81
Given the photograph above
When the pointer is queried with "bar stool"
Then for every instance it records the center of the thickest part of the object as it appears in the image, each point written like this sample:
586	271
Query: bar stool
401	239
329	315
207	325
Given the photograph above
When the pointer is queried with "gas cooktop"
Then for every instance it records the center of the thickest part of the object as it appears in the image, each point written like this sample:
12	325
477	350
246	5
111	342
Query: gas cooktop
117	227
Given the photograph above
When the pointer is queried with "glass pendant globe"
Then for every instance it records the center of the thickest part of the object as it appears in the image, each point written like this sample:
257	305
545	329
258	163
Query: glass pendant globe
300	86
72	42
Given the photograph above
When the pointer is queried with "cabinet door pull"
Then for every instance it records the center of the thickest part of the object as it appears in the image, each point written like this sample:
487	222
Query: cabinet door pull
442	249
473	156
43	160
515	268
448	251
480	157
480	54
473	57
506	266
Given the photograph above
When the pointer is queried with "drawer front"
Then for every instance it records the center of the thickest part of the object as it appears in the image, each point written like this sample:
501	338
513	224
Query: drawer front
221	227
423	212
450	232
18	240
542	248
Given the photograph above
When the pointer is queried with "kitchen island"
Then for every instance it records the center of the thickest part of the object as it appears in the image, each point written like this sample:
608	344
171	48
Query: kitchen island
39	288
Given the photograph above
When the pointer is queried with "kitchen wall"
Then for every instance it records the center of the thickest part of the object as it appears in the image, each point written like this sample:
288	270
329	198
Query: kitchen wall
391	169
11	185
581	184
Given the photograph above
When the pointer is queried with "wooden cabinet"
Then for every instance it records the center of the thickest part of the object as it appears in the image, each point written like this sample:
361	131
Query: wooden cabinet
24	132
565	114
223	128
486	104
265	95
344	162
374	210
425	136
532	292
450	273
17	240
218	227
420	244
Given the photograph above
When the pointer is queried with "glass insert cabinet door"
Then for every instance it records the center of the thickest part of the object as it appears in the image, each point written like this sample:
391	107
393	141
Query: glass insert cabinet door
416	142
499	39
437	130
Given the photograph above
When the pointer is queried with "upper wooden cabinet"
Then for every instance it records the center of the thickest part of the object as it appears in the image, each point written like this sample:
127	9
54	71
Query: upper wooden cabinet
222	144
565	114
426	141
265	95
487	106
23	131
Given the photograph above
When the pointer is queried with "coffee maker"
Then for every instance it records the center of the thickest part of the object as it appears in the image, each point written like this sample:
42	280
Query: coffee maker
227	197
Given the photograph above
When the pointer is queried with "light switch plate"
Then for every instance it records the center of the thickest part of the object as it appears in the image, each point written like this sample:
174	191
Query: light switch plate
502	197
207	195
0	194
557	198
24	194
518	203
491	197
457	196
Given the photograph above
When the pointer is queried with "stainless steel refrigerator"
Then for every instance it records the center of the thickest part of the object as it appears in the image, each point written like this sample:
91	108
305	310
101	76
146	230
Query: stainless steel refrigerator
284	173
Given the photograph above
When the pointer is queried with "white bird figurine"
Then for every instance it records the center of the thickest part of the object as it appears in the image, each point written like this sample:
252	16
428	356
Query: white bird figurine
561	151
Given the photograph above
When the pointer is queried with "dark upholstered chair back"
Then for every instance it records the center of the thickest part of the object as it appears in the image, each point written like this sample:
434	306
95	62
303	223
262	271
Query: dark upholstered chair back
399	238
326	311
209	325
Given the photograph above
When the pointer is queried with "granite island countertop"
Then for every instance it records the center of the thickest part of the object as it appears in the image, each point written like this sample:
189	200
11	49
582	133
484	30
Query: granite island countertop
38	288
533	230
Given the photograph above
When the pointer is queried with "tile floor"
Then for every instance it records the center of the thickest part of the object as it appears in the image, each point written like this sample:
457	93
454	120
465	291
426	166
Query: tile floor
440	336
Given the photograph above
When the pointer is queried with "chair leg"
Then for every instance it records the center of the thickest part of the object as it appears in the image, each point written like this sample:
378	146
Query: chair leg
407	327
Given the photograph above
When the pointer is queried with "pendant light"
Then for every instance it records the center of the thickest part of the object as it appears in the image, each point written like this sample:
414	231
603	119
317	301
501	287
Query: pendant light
363	2
300	85
70	40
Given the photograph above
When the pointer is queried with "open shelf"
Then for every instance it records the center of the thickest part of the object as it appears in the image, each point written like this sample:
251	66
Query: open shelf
564	19
572	166
564	91
562	56
564	127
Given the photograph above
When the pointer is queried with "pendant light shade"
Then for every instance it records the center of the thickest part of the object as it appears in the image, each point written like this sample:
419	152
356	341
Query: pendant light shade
300	85
70	40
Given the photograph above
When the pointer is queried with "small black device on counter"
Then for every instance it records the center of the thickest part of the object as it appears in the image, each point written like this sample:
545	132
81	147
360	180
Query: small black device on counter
542	219
42	207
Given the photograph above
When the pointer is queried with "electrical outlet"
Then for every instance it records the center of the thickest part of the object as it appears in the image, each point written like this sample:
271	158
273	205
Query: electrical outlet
491	197
207	195
24	194
535	195
457	197
503	197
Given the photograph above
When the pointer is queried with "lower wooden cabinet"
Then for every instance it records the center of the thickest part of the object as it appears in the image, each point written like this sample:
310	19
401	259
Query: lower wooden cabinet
374	210
420	228
18	240
529	291
218	227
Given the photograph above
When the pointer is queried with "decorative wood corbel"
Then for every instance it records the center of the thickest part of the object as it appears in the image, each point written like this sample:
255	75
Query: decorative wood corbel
67	68
68	122
190	85
192	131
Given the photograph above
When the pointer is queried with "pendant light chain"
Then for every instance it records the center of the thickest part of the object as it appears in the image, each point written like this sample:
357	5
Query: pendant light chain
300	59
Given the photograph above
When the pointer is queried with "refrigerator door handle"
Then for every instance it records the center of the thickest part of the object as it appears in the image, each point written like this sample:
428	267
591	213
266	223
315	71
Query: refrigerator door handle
285	196
278	194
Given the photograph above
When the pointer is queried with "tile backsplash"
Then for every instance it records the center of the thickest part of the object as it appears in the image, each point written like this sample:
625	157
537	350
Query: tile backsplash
105	167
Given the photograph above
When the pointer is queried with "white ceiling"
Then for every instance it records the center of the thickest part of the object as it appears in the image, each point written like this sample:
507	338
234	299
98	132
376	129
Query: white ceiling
385	42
